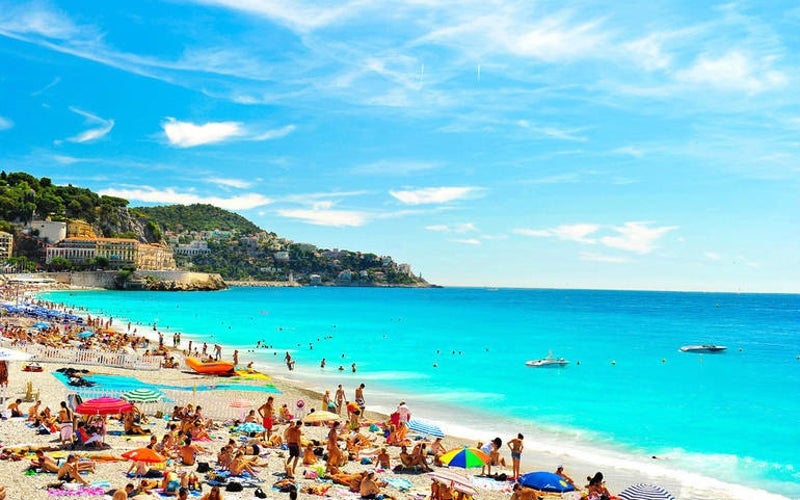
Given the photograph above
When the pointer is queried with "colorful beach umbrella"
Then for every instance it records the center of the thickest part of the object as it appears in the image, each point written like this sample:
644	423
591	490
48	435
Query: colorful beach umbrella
459	482
249	427
320	416
103	406
142	395
424	427
146	455
545	481
644	491
465	457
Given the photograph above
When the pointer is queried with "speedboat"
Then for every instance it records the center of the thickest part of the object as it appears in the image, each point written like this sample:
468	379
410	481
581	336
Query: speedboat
703	348
548	362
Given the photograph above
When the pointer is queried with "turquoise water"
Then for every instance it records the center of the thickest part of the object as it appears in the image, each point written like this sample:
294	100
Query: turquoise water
628	389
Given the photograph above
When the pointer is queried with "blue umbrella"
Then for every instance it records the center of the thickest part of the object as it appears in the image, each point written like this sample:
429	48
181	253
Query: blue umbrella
41	325
545	481
249	427
85	334
426	428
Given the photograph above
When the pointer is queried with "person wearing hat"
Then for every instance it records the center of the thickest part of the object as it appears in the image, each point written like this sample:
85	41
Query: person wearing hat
560	472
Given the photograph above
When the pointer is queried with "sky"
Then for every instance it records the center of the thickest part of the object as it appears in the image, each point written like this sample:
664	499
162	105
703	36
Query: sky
542	144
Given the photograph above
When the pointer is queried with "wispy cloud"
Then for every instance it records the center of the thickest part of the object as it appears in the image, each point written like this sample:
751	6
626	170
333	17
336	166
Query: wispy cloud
149	194
596	257
733	70
434	195
636	237
394	167
92	134
468	241
5	123
323	214
551	132
274	134
466	227
234	183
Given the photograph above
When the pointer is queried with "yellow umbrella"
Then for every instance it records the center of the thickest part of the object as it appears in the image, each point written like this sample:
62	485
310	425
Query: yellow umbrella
320	416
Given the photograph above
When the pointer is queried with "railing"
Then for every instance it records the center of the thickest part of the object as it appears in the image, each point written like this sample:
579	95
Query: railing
46	354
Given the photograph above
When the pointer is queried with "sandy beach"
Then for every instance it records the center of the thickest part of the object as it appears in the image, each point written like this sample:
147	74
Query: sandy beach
15	434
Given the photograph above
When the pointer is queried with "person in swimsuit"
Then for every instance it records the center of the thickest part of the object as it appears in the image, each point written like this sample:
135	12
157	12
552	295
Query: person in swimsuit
516	453
293	436
267	411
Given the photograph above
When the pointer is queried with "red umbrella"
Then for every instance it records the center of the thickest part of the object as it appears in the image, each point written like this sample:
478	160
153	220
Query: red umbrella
103	406
145	455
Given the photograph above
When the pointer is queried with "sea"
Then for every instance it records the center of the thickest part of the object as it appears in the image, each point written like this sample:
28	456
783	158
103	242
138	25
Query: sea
457	356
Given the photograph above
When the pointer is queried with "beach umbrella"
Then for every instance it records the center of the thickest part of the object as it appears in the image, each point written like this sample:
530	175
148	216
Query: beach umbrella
465	457
13	355
103	406
459	482
85	334
146	455
320	416
142	395
545	481
41	325
424	427
644	491
249	427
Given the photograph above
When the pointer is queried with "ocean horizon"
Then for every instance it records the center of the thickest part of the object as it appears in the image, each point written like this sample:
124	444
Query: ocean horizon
628	393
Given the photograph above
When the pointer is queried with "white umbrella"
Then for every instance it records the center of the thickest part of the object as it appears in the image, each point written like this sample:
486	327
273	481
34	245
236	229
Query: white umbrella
644	491
12	355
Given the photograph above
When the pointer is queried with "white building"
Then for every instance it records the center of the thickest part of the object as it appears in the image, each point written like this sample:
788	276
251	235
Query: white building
50	231
196	247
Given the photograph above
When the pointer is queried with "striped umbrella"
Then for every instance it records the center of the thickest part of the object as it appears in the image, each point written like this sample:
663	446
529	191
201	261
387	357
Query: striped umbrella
644	491
459	482
465	457
424	427
142	395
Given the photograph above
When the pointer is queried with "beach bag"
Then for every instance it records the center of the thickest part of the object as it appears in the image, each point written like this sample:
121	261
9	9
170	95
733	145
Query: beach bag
260	493
203	467
234	486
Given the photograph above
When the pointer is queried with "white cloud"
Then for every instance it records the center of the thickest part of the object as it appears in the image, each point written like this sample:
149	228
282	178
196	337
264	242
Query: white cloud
234	183
713	256
554	40
298	16
595	257
552	132
322	215
468	241
32	18
434	195
394	167
5	123
66	160
187	134
92	134
733	71
466	227
629	151
170	195
274	134
568	232
636	237
648	53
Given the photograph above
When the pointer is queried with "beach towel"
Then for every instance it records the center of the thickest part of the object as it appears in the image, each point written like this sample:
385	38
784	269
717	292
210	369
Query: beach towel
488	483
399	483
81	491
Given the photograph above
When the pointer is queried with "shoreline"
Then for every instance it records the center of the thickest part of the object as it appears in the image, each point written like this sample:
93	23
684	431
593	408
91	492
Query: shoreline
543	449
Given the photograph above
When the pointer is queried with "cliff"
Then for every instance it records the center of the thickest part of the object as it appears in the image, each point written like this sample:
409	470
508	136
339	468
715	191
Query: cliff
142	280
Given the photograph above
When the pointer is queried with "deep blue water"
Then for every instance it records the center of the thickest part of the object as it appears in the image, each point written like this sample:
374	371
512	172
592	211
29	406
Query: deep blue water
628	388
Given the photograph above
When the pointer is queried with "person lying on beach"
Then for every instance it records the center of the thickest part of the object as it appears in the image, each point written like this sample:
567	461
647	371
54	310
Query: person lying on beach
131	428
69	471
15	409
437	450
520	492
560	472
33	411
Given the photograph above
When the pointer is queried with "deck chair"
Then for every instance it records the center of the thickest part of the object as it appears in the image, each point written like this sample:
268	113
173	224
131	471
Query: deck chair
31	393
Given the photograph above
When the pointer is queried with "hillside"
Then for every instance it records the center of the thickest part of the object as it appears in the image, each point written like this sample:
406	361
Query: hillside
231	245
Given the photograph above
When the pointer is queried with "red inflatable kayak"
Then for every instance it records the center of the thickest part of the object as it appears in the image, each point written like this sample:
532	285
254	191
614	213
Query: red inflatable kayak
212	368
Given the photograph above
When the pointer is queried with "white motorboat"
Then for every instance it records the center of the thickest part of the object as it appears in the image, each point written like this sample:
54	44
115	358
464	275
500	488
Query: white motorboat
703	348
548	362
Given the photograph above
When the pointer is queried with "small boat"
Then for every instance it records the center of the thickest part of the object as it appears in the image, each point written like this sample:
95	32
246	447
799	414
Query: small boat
211	368
703	348
548	362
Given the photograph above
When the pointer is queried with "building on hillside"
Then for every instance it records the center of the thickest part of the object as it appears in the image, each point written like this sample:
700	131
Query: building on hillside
6	245
119	252
80	229
196	247
50	231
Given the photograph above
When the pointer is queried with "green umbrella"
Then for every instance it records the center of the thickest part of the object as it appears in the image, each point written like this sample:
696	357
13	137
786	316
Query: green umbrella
464	457
142	395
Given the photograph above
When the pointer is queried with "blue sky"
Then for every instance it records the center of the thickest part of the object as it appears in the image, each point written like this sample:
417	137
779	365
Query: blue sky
632	145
